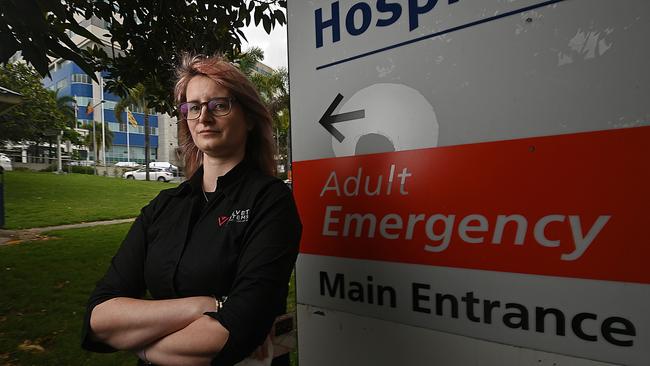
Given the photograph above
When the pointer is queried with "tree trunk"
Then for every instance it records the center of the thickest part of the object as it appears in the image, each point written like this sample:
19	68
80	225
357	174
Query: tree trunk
146	143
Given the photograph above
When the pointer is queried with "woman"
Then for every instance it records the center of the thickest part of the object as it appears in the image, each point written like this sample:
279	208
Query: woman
215	253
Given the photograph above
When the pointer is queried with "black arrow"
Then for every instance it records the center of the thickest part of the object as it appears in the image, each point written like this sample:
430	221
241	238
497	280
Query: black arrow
328	118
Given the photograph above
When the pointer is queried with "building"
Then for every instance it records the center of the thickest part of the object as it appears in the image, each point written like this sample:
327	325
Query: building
128	141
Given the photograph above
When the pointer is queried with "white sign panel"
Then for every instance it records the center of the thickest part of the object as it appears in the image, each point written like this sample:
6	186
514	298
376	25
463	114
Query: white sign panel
472	169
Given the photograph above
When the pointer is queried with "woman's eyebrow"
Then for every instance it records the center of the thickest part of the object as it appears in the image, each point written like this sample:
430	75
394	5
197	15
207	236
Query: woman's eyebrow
212	98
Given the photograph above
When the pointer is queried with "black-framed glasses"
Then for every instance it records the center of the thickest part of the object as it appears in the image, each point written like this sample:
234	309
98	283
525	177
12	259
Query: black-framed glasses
217	106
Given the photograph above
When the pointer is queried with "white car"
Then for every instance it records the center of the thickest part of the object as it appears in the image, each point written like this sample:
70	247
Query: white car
160	175
82	163
127	164
5	162
163	165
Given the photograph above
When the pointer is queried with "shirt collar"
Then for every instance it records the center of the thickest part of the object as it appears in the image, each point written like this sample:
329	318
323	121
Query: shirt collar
225	183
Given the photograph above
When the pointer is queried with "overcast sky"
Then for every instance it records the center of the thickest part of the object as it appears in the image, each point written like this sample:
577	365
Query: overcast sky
274	45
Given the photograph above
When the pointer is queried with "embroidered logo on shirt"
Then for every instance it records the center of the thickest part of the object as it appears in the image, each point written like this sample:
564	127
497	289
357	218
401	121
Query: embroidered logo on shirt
223	220
239	215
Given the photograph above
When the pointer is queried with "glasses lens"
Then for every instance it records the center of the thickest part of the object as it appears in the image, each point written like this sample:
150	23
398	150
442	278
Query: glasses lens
192	110
219	106
183	109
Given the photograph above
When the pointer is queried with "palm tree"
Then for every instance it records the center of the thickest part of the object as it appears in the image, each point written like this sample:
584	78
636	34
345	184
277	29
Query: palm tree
137	96
246	61
274	90
66	104
88	140
66	119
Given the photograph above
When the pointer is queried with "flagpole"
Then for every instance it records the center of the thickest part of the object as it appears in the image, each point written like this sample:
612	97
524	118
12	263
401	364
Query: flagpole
94	146
101	88
128	148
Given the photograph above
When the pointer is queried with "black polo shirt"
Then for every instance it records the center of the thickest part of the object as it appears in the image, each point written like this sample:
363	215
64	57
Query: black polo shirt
242	244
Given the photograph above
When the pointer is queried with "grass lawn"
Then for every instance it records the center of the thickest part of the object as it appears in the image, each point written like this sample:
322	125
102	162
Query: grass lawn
45	285
44	199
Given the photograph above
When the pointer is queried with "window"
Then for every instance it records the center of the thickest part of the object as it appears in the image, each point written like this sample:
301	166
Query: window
110	104
81	78
114	126
83	101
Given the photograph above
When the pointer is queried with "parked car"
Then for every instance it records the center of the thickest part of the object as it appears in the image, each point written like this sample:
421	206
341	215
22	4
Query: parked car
158	174
5	162
127	164
82	163
165	165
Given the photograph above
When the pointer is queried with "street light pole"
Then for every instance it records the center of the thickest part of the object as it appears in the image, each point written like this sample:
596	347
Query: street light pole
101	90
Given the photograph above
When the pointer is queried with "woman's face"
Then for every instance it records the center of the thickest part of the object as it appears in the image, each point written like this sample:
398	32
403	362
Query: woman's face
222	136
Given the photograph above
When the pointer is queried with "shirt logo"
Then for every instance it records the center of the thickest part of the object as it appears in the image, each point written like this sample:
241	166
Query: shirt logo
222	220
239	215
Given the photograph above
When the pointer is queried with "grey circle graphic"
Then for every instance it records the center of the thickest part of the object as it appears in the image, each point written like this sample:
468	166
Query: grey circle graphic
397	118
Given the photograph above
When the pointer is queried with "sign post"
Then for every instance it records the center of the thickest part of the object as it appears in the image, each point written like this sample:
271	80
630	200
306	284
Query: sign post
471	176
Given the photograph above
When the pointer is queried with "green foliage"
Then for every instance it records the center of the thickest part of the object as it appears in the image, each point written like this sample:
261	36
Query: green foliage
136	96
88	139
79	169
147	40
41	28
38	118
154	33
44	199
246	61
274	90
66	105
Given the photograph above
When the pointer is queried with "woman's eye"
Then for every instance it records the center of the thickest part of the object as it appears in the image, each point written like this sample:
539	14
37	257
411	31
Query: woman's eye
194	108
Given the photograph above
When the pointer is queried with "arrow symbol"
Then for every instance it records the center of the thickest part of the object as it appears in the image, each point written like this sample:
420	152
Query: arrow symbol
329	119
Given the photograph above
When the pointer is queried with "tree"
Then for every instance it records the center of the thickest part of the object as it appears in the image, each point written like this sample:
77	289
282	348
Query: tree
137	96
38	118
246	61
274	90
88	140
145	37
40	29
66	104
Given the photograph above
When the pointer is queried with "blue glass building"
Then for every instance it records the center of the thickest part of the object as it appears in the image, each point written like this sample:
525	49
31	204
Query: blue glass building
69	79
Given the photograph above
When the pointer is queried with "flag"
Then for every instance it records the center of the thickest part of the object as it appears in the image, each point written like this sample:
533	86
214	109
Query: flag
131	119
89	108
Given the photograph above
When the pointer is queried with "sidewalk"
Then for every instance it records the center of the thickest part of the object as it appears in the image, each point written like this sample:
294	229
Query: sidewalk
8	237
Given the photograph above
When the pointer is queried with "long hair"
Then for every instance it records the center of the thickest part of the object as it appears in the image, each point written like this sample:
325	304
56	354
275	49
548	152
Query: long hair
260	148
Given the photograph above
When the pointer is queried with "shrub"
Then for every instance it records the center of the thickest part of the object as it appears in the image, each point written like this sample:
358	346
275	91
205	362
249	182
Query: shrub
80	169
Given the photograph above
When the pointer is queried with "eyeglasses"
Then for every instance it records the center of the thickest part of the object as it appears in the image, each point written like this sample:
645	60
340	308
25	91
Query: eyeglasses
217	106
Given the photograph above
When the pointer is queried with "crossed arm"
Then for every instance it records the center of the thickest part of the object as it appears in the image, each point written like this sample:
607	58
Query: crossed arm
173	332
176	331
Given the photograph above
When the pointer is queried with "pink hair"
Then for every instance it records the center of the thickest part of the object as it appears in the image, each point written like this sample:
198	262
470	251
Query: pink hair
260	148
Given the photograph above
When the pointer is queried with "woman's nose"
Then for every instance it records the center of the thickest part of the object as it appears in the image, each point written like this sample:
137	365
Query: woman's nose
206	115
